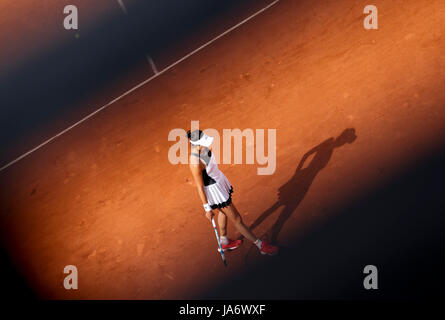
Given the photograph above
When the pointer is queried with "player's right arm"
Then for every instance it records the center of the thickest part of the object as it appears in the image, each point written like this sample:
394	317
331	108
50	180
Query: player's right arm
199	181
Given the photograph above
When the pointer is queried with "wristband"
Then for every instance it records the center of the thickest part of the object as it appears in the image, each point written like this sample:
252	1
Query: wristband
207	207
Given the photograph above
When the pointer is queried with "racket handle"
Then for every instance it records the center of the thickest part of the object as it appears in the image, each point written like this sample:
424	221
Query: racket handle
223	257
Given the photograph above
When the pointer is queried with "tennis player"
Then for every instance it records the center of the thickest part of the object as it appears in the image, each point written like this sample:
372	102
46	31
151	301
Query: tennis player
215	192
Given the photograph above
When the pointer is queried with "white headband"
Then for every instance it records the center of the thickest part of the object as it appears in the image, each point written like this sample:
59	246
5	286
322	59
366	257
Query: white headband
204	141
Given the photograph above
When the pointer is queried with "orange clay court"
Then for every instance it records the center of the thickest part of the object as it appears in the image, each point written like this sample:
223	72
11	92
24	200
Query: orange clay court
104	197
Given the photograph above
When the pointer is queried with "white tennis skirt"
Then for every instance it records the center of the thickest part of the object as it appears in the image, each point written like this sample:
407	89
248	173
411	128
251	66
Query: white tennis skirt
219	194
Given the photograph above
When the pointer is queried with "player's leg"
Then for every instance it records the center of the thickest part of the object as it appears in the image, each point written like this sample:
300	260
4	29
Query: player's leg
222	222
226	243
232	213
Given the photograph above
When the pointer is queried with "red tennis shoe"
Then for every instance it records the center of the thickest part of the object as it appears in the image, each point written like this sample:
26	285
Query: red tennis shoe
267	248
233	244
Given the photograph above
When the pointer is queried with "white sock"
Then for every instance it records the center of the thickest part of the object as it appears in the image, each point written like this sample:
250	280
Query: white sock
224	240
258	243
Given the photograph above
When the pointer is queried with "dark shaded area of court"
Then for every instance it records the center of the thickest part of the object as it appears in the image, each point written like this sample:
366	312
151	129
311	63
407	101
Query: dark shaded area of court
42	96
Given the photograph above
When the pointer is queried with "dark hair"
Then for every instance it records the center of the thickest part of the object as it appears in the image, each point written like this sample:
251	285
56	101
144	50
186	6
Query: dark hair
195	135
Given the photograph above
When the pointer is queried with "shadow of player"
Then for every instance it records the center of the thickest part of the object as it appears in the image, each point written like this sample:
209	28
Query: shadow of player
293	191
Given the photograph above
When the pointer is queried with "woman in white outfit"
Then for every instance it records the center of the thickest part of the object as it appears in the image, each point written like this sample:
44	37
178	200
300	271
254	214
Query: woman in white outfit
215	192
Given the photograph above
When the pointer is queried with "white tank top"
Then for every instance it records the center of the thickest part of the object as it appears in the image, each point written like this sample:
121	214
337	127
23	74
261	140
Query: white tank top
211	169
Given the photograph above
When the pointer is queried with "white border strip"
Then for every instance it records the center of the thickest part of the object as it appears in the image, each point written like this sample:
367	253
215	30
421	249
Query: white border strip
138	86
152	64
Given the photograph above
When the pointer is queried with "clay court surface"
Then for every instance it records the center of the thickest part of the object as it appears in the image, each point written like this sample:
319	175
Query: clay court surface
105	198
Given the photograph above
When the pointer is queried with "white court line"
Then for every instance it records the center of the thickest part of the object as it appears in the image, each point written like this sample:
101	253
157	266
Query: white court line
138	86
121	3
